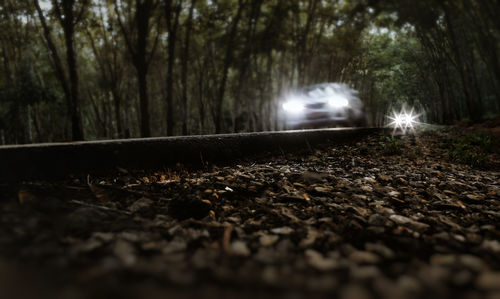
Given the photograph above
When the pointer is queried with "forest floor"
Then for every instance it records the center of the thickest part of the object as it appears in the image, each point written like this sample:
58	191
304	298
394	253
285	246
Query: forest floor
385	217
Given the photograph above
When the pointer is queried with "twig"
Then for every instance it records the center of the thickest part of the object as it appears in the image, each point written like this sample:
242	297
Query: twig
226	240
81	203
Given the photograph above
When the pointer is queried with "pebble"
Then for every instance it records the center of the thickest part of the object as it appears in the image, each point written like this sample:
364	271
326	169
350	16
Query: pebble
364	272
443	259
267	240
355	291
377	219
471	261
364	257
380	249
409	283
491	245
140	204
489	281
240	248
402	220
282	230
125	252
318	261
384	177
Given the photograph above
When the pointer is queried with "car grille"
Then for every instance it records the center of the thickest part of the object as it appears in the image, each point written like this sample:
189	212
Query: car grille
315	105
317	115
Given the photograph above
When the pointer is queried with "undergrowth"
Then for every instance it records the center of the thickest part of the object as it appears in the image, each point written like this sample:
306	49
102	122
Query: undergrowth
392	146
472	149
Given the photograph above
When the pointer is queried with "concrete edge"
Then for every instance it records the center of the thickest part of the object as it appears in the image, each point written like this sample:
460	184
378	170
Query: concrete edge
60	160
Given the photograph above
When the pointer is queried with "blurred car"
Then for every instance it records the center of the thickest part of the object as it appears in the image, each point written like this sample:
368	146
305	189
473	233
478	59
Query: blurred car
322	105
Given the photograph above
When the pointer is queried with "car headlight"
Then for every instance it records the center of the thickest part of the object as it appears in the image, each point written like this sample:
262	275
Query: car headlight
293	106
338	102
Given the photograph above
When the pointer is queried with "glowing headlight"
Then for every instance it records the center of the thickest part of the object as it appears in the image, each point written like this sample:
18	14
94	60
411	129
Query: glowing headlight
338	102
293	106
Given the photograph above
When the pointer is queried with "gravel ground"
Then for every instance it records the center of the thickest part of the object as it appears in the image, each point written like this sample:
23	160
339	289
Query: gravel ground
392	218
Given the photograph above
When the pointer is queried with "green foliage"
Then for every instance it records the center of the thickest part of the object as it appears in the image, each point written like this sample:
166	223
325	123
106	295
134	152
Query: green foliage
15	100
392	146
26	90
472	149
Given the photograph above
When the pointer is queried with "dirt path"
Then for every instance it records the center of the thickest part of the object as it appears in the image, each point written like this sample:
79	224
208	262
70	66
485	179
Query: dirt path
390	218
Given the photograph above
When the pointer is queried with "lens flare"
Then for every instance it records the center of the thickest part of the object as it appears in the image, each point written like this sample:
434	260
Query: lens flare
403	121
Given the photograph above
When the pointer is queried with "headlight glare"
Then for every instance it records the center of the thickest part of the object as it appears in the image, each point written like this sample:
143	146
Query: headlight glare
293	106
338	102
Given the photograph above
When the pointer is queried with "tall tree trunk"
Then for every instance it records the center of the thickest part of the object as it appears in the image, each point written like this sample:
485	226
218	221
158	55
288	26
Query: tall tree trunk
227	62
117	109
137	45
172	18
143	101
463	69
185	60
76	117
55	58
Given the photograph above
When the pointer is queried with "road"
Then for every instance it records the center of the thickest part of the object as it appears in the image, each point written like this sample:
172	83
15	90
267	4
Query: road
59	160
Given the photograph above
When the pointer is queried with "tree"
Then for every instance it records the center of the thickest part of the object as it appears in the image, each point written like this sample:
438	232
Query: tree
136	29
172	14
68	14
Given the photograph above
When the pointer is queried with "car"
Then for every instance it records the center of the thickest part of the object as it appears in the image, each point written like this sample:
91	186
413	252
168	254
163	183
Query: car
322	105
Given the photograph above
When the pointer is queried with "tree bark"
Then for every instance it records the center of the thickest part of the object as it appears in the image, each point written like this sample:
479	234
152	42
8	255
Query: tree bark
70	85
227	62
137	46
184	70
464	70
172	18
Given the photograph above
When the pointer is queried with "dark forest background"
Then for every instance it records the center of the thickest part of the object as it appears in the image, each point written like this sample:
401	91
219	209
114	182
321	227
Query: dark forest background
95	69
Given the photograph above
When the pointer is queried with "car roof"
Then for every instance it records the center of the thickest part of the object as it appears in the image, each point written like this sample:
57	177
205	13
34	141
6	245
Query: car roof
321	86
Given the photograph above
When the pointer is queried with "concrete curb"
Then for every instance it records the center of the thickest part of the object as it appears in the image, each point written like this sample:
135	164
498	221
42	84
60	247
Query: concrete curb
59	160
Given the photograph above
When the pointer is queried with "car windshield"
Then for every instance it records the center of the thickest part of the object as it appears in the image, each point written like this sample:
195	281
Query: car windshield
320	90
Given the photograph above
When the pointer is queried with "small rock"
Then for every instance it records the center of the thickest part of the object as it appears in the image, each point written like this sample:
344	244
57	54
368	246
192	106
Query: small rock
433	275
462	278
402	220
380	249
322	190
474	197
409	284
270	275
103	236
394	194
240	248
125	252
313	177
471	261
491	245
355	291
364	257
176	245
377	219
364	272
86	246
285	230
489	281
369	180
140	204
384	177
268	240
443	259
319	262
366	188
442	236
